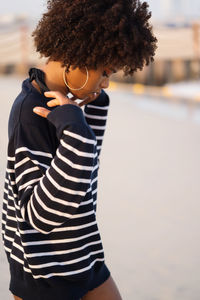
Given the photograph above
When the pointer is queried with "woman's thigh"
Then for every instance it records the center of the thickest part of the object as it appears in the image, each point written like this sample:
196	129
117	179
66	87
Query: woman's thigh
107	291
16	298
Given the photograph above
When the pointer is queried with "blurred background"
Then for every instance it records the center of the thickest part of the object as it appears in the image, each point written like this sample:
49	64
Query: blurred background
149	191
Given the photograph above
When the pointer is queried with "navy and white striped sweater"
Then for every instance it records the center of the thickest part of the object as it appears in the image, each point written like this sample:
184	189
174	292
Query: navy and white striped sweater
49	223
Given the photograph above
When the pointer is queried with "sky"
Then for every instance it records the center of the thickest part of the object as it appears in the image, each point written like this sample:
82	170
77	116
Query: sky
175	8
160	8
33	8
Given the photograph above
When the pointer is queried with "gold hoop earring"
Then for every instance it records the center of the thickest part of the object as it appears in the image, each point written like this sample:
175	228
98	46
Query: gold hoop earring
71	87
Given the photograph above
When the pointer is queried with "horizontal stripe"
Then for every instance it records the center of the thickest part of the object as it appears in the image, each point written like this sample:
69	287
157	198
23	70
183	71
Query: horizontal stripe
10	188
27	171
69	262
9	217
96	166
8	238
10	228
69	273
7	181
61	241
20	261
23	161
7	249
62	188
11	198
18	247
40	218
5	201
94	191
79	137
99	138
94	180
7	192
95	117
27	270
68	177
31	220
28	187
55	199
77	152
10	170
98	127
74	228
86	202
39	153
11	158
71	164
23	186
98	107
51	210
60	229
62	252
77	216
11	208
17	259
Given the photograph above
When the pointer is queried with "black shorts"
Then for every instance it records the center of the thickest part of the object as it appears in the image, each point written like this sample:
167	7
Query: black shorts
71	290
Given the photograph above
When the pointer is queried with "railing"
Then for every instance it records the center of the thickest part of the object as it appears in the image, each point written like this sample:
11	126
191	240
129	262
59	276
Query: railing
177	57
17	51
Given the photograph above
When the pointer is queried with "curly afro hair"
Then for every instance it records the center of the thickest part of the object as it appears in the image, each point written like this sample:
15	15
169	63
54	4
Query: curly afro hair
97	33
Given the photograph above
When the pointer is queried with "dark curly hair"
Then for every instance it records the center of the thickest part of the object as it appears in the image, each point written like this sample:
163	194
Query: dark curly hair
97	33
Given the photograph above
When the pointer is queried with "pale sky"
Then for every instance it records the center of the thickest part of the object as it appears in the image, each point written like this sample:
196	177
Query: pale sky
33	8
159	8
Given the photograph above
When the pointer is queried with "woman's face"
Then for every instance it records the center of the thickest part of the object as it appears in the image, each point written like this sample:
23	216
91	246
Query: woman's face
98	79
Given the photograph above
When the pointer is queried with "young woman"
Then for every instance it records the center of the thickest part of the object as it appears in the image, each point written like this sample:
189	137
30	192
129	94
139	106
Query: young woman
50	232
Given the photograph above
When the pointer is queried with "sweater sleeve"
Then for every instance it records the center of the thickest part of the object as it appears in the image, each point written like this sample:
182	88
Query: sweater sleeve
96	116
50	189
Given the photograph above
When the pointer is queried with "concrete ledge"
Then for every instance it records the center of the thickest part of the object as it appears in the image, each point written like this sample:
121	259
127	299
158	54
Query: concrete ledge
165	92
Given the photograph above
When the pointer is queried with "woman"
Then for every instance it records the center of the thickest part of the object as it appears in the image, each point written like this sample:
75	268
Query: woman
50	232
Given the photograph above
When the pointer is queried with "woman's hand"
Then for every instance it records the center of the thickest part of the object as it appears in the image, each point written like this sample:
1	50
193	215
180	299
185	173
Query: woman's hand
89	99
60	99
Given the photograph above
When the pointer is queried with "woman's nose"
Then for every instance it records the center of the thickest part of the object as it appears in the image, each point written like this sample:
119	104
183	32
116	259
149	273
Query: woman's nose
105	83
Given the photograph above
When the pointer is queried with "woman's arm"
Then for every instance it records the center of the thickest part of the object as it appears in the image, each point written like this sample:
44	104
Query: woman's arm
96	116
48	199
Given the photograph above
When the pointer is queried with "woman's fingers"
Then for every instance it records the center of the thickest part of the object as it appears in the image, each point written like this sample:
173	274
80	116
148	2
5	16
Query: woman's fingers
88	99
59	99
73	98
41	111
53	94
53	102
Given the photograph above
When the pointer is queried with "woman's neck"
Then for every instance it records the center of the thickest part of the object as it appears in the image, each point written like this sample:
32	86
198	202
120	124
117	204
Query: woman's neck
53	77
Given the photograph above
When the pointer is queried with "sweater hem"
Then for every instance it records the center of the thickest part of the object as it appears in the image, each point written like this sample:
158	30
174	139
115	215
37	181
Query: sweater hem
24	286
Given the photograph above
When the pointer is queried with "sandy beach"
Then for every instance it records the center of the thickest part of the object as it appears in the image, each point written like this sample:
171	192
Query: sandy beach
149	191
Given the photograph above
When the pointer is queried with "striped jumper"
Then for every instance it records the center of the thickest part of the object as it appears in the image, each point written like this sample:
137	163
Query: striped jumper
49	225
